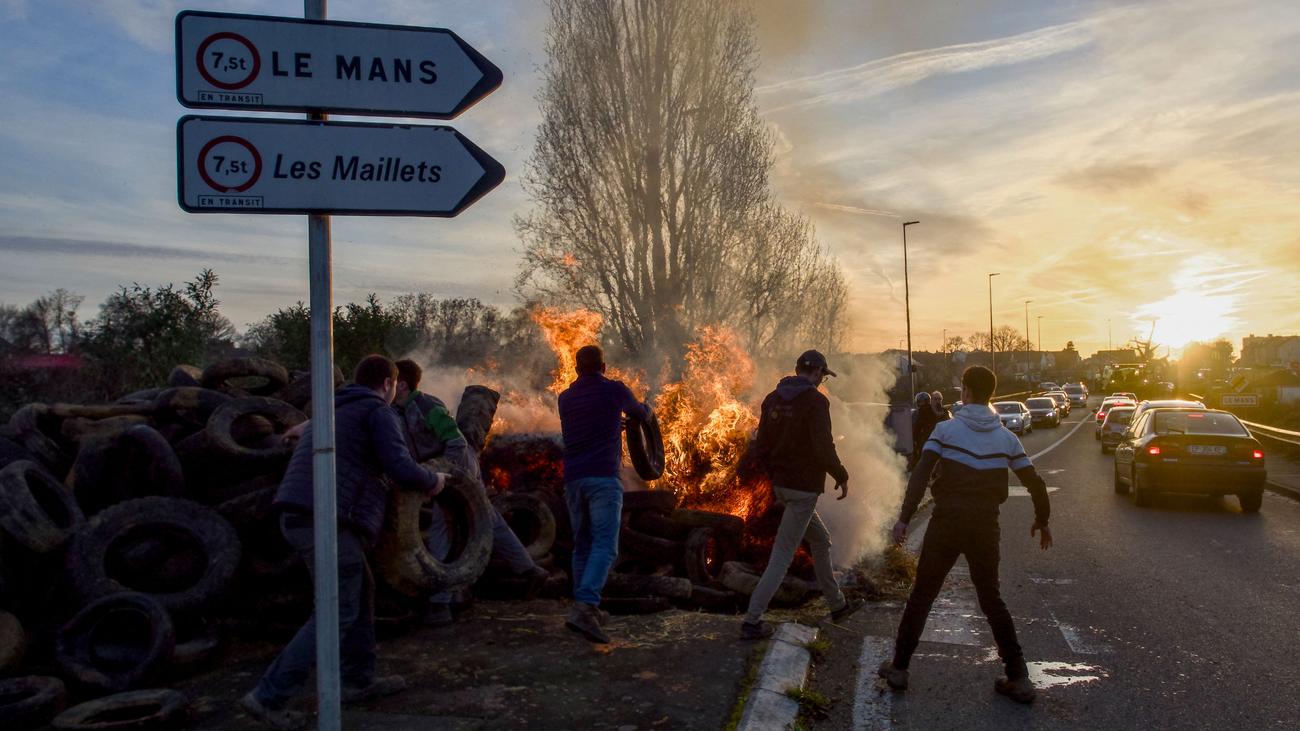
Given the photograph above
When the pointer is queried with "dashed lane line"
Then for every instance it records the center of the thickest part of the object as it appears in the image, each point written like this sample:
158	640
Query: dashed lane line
1058	442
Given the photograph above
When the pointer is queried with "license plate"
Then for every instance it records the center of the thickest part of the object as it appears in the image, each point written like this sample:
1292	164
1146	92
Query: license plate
1208	450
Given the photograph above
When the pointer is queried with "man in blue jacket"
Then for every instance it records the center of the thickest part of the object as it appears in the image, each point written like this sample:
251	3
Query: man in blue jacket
369	445
795	447
972	452
591	419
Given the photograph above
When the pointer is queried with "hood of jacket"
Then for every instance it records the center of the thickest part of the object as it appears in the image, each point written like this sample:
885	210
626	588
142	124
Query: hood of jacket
979	417
352	393
791	387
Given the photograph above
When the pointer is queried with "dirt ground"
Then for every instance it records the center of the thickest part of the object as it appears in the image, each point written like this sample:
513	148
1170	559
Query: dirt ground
514	665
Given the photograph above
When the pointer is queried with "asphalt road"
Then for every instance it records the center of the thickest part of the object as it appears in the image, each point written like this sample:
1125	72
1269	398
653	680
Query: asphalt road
1182	615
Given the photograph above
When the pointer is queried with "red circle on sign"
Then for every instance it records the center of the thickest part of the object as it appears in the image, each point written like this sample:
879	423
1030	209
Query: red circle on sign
203	167
252	50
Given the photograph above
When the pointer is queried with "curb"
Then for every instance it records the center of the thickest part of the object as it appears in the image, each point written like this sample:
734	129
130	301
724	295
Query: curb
784	666
1283	490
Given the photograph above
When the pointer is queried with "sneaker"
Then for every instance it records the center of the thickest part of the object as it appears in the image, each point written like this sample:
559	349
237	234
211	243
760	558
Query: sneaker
759	630
894	677
850	606
277	718
1020	690
437	614
585	620
377	688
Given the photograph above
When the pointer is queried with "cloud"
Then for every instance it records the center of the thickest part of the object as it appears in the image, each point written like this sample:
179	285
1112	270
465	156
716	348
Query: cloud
1112	177
855	83
91	247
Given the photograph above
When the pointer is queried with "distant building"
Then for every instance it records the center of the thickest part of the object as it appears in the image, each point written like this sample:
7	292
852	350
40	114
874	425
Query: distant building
1271	350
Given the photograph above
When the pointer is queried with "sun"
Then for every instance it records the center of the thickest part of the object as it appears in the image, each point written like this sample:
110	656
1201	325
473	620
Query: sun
1202	307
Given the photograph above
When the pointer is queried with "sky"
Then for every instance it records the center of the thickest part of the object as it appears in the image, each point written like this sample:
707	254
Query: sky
1124	165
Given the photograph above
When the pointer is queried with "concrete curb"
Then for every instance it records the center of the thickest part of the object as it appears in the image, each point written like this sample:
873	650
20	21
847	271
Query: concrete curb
1283	490
784	666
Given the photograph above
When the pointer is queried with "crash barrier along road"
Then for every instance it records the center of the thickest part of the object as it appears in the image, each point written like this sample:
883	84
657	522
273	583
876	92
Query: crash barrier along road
1285	484
318	168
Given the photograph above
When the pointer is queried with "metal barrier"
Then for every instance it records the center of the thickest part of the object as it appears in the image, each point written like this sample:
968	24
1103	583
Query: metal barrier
1263	430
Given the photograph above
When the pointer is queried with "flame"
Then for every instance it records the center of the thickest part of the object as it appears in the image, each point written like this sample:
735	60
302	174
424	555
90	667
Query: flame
569	260
567	330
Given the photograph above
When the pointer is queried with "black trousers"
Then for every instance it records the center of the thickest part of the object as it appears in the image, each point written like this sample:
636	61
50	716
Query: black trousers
949	536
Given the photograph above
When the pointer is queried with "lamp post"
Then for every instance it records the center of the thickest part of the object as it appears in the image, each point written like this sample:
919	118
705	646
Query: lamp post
1110	339
1040	333
1029	344
907	309
993	358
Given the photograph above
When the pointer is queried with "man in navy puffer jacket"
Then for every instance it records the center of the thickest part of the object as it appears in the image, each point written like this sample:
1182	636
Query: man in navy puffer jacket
369	445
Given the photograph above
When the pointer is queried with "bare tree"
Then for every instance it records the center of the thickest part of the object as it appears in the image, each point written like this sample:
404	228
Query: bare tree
1005	339
650	179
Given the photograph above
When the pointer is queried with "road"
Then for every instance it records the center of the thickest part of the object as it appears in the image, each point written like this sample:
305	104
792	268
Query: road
1182	615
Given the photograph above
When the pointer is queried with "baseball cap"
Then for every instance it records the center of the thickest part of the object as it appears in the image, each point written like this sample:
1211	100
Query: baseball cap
813	358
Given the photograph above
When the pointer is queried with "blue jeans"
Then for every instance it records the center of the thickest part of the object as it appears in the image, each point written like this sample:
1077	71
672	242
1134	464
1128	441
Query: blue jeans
595	510
288	674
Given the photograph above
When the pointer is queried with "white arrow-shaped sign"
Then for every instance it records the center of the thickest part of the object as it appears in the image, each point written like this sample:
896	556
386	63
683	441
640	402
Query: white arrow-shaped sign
228	61
234	165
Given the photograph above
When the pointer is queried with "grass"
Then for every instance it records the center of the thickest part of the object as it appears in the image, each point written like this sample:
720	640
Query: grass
818	648
889	574
746	685
811	703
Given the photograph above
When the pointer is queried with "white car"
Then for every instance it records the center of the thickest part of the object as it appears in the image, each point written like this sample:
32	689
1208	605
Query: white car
1015	416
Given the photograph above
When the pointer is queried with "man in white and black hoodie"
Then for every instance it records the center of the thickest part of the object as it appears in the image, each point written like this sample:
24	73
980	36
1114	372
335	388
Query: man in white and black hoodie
973	452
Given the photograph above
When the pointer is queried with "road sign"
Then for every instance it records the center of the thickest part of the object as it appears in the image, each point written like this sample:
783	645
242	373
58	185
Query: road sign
1239	399
230	164
230	61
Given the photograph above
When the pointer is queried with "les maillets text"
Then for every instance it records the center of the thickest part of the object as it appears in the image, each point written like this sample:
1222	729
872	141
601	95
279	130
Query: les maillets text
382	169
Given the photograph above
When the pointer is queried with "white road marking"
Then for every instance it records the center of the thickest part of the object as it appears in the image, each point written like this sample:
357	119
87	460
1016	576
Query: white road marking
1058	442
1056	674
1079	644
1022	491
873	701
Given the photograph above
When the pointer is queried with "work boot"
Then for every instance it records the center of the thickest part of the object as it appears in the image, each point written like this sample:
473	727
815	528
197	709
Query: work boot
895	678
584	619
850	606
602	616
375	689
277	718
437	614
1020	690
759	630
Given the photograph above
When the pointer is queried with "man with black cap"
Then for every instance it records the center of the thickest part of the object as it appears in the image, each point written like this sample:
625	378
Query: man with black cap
795	447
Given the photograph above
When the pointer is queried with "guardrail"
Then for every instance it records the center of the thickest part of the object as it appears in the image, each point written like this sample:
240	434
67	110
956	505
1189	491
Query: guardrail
1264	430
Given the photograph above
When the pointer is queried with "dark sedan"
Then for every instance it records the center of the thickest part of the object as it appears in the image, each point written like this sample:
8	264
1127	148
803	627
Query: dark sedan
1043	410
1207	452
1117	420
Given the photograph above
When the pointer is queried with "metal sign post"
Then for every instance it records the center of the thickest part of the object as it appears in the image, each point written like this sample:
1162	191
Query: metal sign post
329	707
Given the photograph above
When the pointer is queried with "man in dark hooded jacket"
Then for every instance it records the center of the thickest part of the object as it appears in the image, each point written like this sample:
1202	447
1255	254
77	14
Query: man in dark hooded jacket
795	447
370	444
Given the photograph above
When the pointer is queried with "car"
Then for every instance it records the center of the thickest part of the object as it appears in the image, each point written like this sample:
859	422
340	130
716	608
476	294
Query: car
1107	404
1077	393
1184	450
1118	417
1043	410
1062	401
1166	404
1048	386
1015	416
1126	394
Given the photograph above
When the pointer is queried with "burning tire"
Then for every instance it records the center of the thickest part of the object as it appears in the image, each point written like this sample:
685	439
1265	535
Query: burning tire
401	556
179	552
658	501
706	552
722	523
239	376
36	510
116	466
645	445
30	425
140	710
530	519
115	642
30	702
478	406
226	423
13	644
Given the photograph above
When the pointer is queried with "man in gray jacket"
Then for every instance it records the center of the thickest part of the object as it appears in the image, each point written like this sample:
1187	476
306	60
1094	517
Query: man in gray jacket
369	445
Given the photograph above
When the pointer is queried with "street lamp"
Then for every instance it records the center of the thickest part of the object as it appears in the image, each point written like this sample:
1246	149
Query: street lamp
1027	340
907	308
1040	333
1110	339
993	358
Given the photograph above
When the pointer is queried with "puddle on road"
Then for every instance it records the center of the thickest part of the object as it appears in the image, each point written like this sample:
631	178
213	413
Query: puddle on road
1059	674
